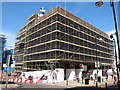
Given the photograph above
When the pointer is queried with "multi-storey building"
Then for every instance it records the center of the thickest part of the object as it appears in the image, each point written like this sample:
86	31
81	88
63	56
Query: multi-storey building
2	50
61	38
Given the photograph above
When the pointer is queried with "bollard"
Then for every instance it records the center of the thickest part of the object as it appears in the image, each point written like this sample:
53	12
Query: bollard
78	80
96	84
66	82
82	81
106	84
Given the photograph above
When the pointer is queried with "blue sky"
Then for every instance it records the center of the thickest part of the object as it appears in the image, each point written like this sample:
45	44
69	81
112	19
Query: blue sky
119	21
15	15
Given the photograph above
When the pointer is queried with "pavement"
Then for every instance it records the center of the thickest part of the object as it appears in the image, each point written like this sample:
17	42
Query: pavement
65	84
71	83
9	85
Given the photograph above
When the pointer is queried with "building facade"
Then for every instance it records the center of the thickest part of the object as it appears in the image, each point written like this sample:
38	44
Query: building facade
10	52
63	39
2	49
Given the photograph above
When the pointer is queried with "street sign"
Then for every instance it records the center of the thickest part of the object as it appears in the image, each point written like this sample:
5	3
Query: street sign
12	65
81	66
4	65
97	64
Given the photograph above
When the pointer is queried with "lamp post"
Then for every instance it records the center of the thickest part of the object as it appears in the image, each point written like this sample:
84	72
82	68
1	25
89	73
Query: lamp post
111	36
96	66
8	62
97	63
100	3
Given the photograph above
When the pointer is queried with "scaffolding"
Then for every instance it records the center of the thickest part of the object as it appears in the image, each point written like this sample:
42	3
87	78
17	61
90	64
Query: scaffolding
61	38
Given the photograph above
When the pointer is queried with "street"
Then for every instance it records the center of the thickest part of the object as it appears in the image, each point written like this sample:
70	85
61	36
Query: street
40	85
56	87
72	85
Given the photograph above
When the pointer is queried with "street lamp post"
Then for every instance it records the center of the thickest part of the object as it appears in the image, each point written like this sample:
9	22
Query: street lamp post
117	35
96	66
8	62
97	62
100	3
111	36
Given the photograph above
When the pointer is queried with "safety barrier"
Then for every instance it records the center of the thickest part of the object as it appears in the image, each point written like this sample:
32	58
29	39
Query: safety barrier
24	80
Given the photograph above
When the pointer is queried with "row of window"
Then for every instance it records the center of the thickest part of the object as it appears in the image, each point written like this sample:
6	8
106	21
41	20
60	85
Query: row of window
68	47
71	31
66	30
42	32
65	21
79	27
18	58
42	24
62	36
62	56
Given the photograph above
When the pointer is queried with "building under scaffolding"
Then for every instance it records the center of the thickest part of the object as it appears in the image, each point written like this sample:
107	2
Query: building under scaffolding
61	38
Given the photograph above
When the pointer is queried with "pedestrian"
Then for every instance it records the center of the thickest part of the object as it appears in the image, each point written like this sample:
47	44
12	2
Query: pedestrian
30	77
112	76
115	79
107	77
95	77
78	80
82	78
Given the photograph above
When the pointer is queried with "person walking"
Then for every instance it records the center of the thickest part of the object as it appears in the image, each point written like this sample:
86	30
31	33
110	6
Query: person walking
107	77
95	78
112	76
82	78
78	79
115	80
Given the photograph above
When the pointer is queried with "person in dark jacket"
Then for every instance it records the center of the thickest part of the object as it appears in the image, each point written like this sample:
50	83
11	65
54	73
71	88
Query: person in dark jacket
107	77
30	77
115	80
78	79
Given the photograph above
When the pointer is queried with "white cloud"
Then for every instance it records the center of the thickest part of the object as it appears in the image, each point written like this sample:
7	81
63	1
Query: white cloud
111	32
114	36
10	38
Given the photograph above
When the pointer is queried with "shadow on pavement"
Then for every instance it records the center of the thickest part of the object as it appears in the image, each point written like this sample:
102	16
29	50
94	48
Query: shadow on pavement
4	82
90	88
113	86
75	88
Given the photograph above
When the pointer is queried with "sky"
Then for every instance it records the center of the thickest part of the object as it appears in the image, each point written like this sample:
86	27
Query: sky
119	21
15	15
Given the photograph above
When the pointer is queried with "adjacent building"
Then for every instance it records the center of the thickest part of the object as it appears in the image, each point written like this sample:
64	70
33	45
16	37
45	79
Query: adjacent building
63	40
2	48
9	52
